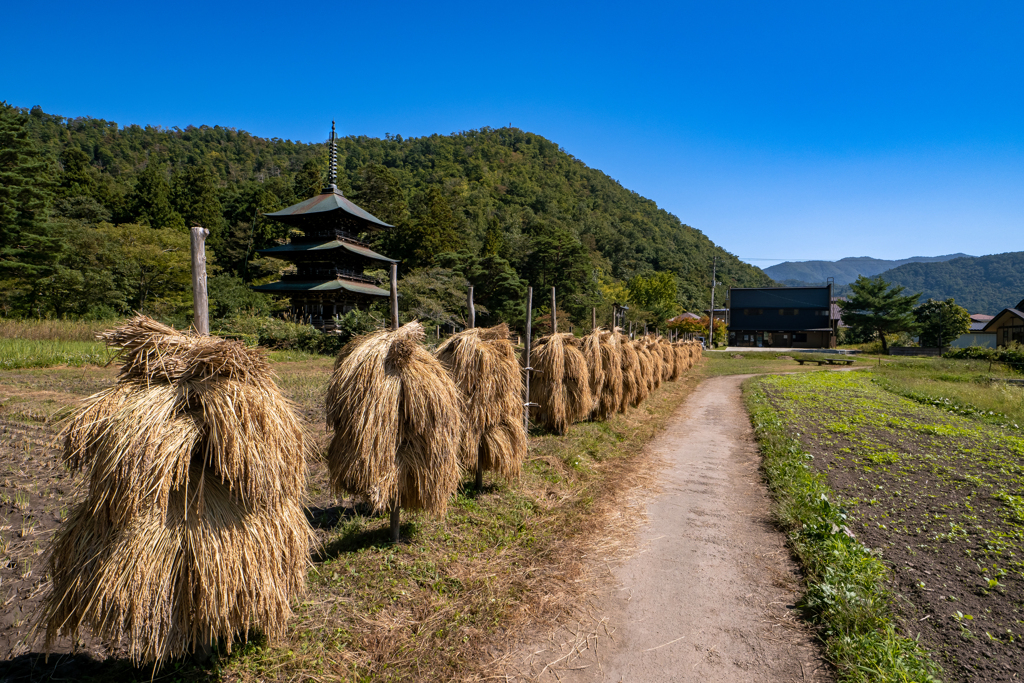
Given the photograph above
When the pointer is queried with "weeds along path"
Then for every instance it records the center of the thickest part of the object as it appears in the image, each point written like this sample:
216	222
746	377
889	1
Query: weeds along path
705	595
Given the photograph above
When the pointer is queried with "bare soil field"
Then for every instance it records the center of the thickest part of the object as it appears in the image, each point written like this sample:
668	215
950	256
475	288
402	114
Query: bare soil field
940	497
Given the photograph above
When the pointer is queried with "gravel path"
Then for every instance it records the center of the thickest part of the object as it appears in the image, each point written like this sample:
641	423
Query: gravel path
704	597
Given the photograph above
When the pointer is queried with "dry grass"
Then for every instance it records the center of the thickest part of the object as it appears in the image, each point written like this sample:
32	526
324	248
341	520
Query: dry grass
56	330
398	423
192	529
483	364
634	384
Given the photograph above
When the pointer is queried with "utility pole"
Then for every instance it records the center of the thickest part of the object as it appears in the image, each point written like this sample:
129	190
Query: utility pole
711	318
528	369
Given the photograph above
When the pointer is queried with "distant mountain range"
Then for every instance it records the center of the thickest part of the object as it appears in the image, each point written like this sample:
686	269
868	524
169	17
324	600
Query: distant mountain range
797	273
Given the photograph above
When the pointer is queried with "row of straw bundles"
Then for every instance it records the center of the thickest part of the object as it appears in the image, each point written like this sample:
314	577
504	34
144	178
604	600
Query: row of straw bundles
398	423
192	530
482	362
561	380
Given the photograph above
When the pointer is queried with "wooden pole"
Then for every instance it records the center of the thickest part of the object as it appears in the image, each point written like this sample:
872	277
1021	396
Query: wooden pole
554	313
200	303
593	318
396	509
472	309
529	340
394	296
711	318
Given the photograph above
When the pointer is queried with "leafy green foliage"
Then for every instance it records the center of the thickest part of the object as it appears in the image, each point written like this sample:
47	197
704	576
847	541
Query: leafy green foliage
941	322
878	309
655	293
541	216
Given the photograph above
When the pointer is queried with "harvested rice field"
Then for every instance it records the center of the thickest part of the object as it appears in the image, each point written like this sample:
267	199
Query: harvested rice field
938	493
450	602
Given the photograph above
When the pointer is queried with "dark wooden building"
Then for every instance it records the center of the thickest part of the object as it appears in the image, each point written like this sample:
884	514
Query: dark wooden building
330	257
787	317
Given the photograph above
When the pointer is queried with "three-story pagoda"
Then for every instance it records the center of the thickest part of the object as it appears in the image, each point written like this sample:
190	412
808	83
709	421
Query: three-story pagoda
330	257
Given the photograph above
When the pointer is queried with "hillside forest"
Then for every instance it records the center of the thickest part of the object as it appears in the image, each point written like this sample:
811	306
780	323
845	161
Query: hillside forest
94	218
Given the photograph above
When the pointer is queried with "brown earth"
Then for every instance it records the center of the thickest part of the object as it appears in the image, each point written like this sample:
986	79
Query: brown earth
708	594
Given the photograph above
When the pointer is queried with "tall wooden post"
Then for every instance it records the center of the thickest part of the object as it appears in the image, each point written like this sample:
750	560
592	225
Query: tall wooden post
396	509
529	341
711	318
554	313
200	302
394	296
593	318
472	309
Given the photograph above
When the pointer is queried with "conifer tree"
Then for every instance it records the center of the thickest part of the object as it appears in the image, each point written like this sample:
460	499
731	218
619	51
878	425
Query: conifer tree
877	308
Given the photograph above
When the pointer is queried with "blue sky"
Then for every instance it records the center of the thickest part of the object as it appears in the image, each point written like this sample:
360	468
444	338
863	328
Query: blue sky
781	130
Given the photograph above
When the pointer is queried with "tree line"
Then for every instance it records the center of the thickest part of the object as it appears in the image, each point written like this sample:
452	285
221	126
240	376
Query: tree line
94	217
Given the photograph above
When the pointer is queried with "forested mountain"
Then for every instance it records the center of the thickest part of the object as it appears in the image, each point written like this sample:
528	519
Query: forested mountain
844	270
982	284
94	215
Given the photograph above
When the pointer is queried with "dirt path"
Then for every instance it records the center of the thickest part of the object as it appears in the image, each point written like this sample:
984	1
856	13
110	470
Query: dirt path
705	596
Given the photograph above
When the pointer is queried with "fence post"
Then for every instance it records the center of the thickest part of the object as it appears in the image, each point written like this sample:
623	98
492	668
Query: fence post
472	309
396	510
529	340
200	301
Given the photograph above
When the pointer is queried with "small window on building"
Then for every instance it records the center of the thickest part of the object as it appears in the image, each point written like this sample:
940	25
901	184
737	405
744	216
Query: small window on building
782	311
794	311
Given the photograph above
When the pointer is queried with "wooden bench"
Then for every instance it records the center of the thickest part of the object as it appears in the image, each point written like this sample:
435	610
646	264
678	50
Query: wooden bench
801	361
823	361
840	361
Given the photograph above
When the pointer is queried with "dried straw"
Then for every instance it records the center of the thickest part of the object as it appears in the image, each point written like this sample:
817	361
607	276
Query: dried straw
633	382
398	423
611	388
192	529
645	382
482	362
591	348
560	382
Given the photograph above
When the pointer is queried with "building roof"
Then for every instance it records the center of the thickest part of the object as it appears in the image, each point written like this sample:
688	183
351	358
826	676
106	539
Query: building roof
322	286
359	249
979	326
1006	311
324	203
981	317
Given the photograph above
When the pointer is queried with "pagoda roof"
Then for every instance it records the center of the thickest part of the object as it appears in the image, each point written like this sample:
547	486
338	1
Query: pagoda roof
358	249
322	286
324	203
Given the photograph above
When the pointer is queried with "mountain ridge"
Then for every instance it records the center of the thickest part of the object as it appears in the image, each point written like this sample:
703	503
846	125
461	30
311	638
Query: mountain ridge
844	270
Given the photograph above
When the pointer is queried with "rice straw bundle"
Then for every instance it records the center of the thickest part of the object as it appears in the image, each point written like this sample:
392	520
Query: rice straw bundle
595	364
668	359
611	388
678	355
646	380
192	530
651	346
398	422
560	382
483	365
633	382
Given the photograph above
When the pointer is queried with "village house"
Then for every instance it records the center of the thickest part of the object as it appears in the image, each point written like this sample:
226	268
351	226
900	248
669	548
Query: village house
1007	325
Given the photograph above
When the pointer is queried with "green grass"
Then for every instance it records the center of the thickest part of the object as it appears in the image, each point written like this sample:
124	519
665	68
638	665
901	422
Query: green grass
56	330
758	362
963	387
846	593
32	353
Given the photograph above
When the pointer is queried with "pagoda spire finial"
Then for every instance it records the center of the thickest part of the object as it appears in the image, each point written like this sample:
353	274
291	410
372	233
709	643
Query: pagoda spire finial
332	166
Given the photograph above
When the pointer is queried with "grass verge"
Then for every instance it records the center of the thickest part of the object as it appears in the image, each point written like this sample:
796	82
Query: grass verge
846	594
43	353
